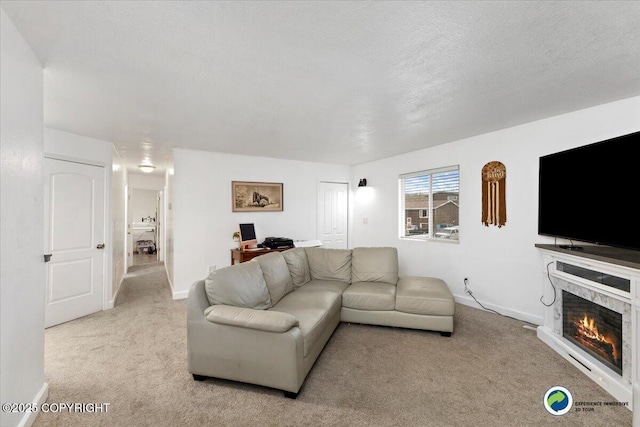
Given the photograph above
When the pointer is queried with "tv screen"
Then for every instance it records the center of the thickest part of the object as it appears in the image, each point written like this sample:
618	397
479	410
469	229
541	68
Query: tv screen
588	193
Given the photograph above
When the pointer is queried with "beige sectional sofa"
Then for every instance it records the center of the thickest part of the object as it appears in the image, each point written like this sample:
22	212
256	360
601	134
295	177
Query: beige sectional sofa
266	321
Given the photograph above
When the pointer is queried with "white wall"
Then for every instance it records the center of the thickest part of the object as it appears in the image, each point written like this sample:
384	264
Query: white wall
503	267
22	276
146	182
144	204
204	223
118	223
69	146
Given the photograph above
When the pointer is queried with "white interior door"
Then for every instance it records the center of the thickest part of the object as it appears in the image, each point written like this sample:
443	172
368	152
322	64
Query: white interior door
332	214
159	227
74	237
129	230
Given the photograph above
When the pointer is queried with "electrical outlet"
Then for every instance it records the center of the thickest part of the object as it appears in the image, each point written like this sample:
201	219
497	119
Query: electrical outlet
212	268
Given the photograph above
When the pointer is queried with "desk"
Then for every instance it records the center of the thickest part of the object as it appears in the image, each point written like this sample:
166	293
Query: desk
244	256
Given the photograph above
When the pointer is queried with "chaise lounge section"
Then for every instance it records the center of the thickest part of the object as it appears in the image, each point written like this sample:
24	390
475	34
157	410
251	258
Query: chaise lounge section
266	321
377	296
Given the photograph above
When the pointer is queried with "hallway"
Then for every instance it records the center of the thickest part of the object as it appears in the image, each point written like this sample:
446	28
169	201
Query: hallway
144	283
140	258
113	355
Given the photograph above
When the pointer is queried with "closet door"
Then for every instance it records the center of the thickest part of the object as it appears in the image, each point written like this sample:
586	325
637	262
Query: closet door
333	214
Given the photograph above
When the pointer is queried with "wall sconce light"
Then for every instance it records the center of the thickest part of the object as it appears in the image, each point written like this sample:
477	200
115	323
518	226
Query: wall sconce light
146	168
363	182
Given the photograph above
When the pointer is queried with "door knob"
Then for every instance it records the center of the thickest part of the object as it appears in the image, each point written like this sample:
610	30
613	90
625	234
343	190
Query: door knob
100	246
47	257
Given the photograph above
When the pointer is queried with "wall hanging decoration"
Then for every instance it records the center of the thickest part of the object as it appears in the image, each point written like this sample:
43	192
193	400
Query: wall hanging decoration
256	196
494	203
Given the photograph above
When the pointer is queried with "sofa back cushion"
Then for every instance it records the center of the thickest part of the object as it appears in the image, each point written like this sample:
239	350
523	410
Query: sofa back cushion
329	264
374	265
241	285
276	275
298	264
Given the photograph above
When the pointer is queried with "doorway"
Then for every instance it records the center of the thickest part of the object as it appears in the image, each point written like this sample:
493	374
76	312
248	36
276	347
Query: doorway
144	226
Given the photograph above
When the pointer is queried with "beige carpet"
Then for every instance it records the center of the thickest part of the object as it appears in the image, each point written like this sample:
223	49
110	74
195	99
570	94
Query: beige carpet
491	372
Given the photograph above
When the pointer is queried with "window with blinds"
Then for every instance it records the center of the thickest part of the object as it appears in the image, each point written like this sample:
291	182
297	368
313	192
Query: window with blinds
430	204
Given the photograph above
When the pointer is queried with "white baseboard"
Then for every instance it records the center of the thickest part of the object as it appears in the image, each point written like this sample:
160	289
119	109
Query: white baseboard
168	278
175	295
180	295
525	317
112	302
41	397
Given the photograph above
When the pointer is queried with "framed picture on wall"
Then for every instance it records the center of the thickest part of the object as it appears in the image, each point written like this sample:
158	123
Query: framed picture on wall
256	196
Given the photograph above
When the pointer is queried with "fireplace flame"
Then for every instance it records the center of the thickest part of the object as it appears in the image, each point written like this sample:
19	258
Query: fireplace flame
588	329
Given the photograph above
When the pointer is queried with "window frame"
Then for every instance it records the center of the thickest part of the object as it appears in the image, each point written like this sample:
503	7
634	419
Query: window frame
402	217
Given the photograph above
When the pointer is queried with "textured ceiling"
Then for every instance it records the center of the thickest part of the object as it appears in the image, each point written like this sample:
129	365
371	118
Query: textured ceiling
337	82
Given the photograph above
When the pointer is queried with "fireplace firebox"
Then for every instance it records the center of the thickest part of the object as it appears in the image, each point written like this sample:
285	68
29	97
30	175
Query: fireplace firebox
594	328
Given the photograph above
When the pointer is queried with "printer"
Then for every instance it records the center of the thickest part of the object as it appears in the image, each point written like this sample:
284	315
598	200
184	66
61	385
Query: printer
277	243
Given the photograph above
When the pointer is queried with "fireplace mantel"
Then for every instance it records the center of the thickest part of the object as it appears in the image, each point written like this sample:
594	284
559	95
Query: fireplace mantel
603	266
605	254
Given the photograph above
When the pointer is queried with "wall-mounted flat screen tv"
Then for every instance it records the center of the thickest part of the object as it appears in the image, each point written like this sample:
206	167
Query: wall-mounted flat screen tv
590	193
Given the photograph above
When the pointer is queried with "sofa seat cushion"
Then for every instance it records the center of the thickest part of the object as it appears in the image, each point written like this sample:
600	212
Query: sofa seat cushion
239	285
377	296
374	265
261	320
276	275
313	311
324	285
424	295
329	264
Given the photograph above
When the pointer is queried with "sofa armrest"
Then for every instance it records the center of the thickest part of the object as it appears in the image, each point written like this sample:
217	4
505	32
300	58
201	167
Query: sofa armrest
262	320
197	301
242	354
